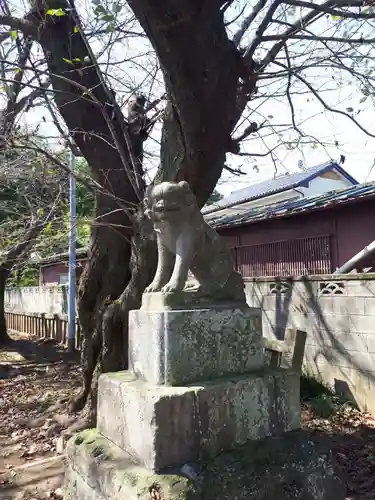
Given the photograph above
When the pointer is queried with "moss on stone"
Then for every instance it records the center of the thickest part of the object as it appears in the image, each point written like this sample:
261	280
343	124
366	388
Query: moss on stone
97	451
78	440
119	471
89	435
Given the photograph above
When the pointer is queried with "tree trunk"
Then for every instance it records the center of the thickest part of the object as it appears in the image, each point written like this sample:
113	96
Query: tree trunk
103	144
4	337
201	70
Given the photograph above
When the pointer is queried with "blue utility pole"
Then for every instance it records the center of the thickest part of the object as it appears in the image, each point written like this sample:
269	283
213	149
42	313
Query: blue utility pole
72	281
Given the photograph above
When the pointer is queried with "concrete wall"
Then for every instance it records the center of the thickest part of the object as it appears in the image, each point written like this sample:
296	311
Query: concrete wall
339	318
35	299
337	312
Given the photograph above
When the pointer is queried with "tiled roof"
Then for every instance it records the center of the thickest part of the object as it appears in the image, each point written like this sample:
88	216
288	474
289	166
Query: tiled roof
281	209
276	185
60	257
293	207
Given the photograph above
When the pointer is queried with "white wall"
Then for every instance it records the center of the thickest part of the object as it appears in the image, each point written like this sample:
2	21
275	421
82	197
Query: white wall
35	299
321	185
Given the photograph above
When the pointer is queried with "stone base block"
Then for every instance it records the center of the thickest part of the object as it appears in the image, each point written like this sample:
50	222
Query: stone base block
165	426
296	465
99	470
180	347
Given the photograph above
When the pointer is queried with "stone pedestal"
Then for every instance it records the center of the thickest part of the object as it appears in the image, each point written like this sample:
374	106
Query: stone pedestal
169	426
197	386
181	347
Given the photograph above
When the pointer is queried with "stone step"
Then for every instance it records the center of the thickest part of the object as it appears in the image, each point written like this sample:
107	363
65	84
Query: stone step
165	426
186	346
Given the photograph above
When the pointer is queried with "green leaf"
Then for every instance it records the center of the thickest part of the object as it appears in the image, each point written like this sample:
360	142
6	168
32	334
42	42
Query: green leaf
107	17
48	227
76	30
110	28
17	70
68	61
99	9
13	35
55	12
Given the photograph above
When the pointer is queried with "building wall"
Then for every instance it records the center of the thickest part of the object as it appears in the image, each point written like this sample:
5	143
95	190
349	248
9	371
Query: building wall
349	227
338	315
57	273
329	181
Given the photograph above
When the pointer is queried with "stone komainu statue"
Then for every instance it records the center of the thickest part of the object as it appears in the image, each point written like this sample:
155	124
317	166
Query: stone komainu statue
186	242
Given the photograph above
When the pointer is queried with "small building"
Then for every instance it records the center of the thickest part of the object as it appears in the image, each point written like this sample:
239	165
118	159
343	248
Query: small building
314	235
54	269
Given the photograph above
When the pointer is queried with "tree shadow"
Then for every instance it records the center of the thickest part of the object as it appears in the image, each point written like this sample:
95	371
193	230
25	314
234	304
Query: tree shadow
329	350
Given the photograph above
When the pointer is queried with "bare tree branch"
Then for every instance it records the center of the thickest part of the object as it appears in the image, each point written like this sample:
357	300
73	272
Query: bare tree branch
324	104
326	9
23	25
246	23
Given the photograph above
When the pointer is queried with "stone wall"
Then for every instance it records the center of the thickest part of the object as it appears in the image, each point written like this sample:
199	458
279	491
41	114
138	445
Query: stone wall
37	299
338	314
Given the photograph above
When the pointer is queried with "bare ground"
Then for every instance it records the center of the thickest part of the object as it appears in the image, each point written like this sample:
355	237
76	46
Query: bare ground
37	379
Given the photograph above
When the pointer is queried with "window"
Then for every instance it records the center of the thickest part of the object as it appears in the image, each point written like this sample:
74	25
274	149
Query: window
63	279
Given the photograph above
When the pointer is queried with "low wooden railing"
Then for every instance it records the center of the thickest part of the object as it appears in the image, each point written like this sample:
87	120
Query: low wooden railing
54	326
287	353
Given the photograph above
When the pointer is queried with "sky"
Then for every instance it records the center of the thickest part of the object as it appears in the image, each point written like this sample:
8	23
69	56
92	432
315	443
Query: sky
358	148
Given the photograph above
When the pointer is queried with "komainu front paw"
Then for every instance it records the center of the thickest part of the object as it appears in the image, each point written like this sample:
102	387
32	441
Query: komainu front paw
154	287
172	287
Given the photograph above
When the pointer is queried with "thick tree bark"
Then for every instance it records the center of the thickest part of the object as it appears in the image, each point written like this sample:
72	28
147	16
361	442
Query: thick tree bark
201	69
85	104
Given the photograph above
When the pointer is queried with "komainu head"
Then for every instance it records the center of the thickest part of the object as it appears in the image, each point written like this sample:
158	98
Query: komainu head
169	200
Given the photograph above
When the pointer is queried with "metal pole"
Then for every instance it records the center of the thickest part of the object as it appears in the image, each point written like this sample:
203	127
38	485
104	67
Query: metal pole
72	256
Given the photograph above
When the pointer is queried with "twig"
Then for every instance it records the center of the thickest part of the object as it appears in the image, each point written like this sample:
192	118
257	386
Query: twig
247	21
234	171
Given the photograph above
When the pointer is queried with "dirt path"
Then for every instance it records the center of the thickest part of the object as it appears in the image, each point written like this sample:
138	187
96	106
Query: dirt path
37	380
